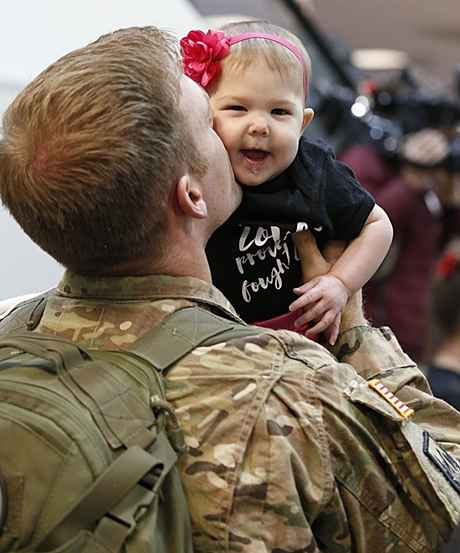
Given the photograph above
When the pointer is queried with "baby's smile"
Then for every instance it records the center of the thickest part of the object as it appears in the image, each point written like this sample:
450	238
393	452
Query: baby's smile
254	159
254	154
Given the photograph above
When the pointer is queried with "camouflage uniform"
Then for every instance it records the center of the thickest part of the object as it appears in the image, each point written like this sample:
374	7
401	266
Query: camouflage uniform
289	450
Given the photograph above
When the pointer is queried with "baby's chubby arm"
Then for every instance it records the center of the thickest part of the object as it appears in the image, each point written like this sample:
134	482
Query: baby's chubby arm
325	296
365	253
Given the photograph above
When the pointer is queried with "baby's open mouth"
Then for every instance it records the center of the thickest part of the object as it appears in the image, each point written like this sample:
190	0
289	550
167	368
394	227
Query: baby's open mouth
255	155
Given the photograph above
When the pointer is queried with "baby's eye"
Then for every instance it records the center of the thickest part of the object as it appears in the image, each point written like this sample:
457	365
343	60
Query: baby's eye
235	107
280	111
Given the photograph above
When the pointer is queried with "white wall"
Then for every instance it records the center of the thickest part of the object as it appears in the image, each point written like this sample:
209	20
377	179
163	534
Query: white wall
33	35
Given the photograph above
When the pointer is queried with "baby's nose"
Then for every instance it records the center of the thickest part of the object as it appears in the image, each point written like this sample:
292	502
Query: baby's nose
259	126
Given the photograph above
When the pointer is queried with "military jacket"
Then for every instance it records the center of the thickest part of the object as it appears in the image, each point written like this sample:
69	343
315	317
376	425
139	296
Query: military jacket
291	448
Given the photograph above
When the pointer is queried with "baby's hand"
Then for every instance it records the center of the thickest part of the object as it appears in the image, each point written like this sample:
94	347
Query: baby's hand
323	299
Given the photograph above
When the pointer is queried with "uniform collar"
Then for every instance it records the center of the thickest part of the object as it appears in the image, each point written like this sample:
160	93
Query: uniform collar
152	287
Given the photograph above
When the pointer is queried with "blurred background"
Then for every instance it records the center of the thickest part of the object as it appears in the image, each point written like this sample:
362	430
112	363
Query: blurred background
385	90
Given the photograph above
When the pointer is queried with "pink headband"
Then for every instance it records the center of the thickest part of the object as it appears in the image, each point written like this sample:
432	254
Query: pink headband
202	53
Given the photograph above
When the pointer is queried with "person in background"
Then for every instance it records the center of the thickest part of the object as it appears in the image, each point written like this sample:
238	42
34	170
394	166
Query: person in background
443	371
421	201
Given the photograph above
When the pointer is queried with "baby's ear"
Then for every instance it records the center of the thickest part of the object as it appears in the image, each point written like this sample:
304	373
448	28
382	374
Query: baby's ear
308	115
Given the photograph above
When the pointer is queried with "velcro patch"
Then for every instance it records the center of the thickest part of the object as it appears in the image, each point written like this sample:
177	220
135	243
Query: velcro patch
444	461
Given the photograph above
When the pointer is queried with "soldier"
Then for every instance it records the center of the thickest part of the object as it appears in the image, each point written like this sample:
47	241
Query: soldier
109	162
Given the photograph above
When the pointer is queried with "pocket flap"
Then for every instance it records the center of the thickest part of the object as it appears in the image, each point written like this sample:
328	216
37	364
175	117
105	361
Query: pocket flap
361	391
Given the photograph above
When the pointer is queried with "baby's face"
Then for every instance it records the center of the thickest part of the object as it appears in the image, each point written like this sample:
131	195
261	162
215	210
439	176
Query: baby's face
259	116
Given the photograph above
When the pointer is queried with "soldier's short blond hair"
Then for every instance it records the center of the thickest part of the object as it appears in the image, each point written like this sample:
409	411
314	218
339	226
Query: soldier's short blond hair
91	149
277	57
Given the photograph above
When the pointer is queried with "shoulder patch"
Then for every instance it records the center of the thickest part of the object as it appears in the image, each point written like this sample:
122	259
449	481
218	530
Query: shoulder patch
444	461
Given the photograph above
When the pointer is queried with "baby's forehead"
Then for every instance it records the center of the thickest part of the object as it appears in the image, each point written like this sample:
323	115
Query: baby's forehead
268	57
239	71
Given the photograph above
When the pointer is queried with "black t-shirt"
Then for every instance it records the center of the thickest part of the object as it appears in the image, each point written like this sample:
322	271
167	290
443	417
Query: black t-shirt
252	256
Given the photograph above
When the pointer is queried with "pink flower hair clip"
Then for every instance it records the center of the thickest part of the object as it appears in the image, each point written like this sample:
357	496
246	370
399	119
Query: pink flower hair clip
202	53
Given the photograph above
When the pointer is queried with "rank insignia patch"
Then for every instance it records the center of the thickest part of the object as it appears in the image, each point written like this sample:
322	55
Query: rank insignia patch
444	461
395	402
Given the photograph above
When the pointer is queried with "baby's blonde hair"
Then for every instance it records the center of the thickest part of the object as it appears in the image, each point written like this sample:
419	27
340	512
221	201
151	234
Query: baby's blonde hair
277	57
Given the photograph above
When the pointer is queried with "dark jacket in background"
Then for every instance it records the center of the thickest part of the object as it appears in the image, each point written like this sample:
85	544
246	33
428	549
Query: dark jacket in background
401	299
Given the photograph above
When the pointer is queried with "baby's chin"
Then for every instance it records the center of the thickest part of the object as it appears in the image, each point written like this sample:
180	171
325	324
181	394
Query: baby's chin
251	183
252	180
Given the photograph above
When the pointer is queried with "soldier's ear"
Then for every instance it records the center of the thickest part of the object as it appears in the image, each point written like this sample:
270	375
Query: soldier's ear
190	198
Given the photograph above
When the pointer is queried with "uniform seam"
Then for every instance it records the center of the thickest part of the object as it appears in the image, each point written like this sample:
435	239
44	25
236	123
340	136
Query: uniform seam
325	446
322	435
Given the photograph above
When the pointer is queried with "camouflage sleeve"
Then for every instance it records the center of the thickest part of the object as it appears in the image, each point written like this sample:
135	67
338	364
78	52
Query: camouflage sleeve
418	432
376	354
373	351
